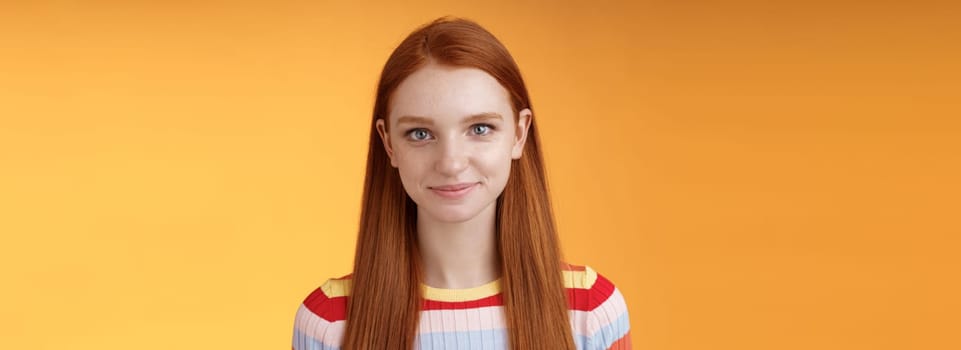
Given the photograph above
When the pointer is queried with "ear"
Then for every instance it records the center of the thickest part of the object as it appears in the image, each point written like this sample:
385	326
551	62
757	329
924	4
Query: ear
385	139
520	138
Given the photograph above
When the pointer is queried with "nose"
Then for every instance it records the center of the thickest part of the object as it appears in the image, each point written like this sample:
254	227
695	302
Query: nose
452	158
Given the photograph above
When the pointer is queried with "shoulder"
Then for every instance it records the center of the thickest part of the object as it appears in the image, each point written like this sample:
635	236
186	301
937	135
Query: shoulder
598	309
589	288
319	320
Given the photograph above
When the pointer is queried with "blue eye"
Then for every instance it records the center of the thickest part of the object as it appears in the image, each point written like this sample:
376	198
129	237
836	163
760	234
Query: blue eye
481	129
418	134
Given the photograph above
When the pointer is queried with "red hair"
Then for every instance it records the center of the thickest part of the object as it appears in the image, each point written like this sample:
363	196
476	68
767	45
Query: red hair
535	301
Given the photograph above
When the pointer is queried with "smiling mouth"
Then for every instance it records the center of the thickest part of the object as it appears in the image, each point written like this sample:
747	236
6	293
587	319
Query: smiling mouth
454	191
454	187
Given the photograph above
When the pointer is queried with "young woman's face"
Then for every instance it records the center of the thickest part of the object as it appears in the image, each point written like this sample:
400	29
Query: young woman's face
452	136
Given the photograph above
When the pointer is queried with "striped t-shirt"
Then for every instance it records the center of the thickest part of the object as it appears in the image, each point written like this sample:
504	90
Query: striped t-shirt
473	318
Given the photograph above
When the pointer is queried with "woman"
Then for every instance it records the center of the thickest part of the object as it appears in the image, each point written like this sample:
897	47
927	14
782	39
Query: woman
457	245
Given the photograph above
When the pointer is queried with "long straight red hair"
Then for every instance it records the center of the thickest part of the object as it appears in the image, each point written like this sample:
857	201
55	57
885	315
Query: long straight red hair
383	309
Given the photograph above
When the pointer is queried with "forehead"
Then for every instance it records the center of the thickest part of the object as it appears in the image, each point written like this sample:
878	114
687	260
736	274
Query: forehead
444	92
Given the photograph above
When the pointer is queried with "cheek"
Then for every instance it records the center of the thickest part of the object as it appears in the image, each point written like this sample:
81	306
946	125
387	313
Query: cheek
409	165
412	160
411	179
406	157
496	160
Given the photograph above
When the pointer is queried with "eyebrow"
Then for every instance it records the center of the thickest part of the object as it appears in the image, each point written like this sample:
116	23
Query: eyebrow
479	117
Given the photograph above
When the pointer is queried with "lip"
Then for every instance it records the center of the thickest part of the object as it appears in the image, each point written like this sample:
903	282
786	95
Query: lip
454	191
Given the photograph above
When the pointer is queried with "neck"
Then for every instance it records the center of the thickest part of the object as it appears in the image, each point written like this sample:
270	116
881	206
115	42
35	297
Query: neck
458	255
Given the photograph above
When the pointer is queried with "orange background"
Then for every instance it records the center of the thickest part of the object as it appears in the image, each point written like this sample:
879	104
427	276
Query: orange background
751	175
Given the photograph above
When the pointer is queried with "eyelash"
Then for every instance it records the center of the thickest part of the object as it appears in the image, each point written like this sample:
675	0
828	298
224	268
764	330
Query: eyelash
408	133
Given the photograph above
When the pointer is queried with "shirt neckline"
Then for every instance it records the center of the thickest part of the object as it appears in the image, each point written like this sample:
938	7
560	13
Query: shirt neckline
463	294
